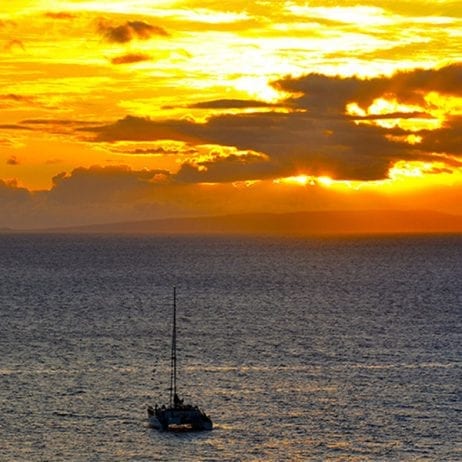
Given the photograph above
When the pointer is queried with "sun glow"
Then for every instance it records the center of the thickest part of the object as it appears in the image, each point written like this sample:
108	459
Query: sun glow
325	181
395	114
442	105
418	169
432	115
300	180
401	175
390	106
306	180
258	87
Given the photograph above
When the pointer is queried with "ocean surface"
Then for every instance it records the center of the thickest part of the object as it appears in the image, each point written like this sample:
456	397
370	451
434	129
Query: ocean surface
334	349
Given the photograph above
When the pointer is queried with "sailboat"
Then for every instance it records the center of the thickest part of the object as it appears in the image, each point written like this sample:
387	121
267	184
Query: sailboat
177	416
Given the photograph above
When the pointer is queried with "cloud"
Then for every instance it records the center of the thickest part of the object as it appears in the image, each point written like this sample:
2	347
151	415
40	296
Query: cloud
12	160
55	126
129	31
60	15
90	195
14	127
292	142
447	139
102	184
16	205
10	191
14	44
130	58
111	194
316	136
62	122
159	151
115	194
133	128
230	104
14	99
323	94
6	23
222	169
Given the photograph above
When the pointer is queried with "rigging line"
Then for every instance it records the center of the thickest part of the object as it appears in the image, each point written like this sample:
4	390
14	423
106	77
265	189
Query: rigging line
173	354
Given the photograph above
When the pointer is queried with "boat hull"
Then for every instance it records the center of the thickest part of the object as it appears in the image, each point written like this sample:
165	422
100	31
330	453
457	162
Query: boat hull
185	418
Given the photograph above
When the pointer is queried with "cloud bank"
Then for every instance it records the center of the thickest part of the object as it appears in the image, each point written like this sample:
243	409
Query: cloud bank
116	194
316	135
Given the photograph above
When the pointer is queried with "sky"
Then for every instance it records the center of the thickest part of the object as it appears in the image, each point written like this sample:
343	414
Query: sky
140	109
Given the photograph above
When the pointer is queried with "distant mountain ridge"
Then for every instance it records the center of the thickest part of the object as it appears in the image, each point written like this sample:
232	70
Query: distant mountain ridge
291	224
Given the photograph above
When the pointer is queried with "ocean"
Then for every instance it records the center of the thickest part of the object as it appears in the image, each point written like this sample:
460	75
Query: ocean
329	349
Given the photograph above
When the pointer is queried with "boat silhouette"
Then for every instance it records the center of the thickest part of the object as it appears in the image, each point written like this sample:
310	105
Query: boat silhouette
177	416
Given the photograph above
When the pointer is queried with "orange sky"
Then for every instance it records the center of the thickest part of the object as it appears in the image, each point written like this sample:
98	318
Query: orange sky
138	109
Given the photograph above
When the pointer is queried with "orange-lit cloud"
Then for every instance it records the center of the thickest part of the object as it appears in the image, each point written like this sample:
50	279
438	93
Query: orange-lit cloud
60	15
12	161
129	31
130	58
13	44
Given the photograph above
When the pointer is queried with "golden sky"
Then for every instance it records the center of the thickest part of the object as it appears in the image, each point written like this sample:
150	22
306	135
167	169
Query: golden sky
138	109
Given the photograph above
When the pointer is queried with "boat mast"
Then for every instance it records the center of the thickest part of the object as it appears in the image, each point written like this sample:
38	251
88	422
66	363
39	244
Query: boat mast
173	354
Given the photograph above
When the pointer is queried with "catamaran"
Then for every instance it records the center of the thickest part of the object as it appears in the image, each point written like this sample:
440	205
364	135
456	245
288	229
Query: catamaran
177	416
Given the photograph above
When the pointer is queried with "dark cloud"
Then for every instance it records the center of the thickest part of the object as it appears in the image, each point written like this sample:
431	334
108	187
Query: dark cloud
14	127
12	195
293	142
64	122
12	99
84	196
57	126
329	95
14	44
447	139
299	142
129	31
393	115
102	184
60	15
130	58
12	161
133	128
230	104
233	167
159	150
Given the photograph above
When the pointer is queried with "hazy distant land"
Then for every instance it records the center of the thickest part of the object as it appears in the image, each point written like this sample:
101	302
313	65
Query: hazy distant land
298	224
